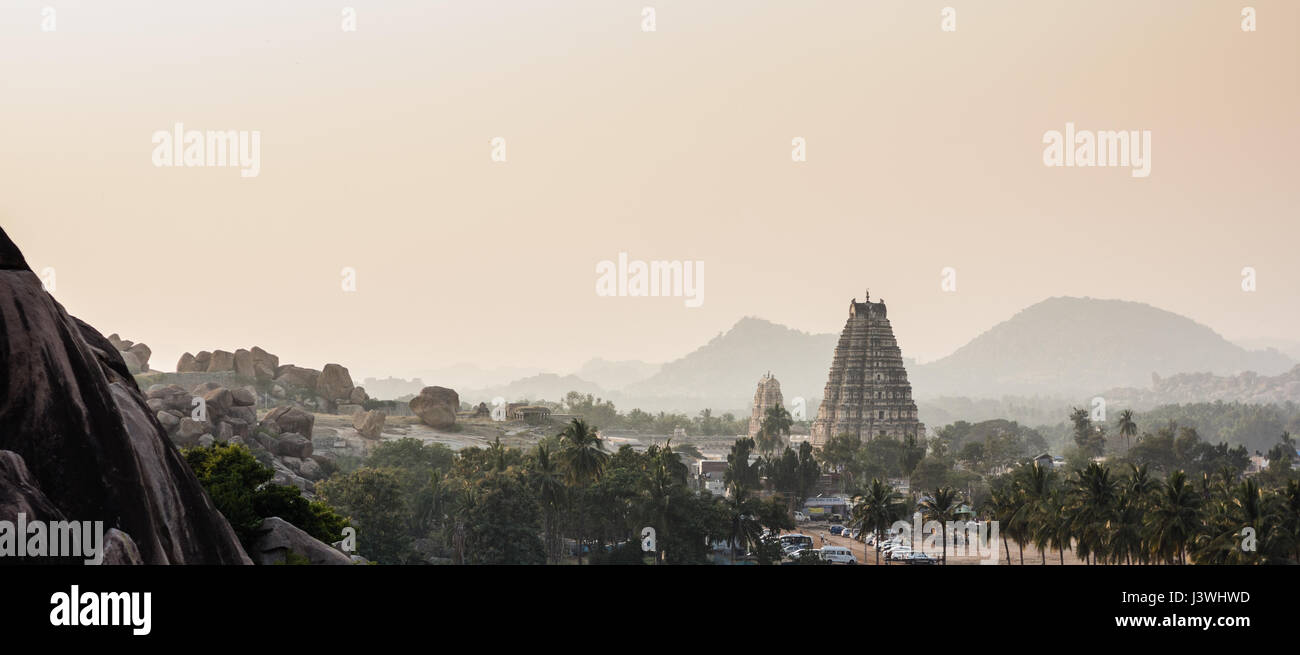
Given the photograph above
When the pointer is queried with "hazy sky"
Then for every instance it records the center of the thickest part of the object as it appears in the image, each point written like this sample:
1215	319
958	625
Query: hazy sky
924	151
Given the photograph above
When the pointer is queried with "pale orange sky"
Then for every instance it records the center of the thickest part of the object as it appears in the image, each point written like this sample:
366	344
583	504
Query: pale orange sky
924	151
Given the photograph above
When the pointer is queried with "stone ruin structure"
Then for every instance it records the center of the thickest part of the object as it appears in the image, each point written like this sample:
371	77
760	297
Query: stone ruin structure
867	393
767	396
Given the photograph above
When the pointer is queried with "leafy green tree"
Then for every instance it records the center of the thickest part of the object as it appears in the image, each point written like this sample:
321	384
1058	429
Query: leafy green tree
237	484
372	500
505	521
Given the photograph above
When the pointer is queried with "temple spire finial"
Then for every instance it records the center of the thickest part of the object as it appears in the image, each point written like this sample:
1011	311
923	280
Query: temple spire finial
867	298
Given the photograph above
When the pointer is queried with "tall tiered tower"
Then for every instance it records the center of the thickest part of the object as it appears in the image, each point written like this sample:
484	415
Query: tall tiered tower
767	396
867	393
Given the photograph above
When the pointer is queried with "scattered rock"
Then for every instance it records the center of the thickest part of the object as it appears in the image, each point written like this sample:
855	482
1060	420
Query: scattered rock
369	424
334	383
436	406
276	538
243	397
294	445
290	419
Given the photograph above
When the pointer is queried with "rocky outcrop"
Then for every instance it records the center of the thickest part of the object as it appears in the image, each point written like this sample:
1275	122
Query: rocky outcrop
276	538
91	444
436	406
134	355
252	363
207	409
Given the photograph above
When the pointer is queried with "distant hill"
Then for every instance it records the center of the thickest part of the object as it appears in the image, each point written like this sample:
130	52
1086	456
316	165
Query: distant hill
1077	346
544	386
616	374
723	373
1057	348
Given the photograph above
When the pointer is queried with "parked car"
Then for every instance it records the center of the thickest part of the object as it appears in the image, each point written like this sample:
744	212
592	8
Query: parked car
838	555
836	518
900	554
855	533
919	558
837	529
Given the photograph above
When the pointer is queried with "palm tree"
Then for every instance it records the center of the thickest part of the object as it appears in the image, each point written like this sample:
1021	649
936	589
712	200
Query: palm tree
775	426
941	506
1127	427
548	482
1172	520
1126	528
1094	505
876	509
1035	484
1002	505
1058	522
583	453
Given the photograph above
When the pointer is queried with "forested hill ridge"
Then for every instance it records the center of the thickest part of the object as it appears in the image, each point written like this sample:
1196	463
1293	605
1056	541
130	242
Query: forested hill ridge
1077	346
722	373
1248	387
1060	349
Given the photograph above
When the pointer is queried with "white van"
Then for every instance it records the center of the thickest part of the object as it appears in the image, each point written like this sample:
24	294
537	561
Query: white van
838	555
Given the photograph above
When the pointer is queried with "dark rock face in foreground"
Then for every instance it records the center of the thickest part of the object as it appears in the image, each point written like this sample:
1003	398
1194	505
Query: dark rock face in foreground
71	411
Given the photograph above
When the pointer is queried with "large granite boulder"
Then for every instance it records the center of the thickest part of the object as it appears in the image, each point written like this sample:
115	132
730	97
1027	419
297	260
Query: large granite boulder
334	383
293	445
188	364
142	354
358	396
276	538
436	406
369	424
296	376
244	363
221	361
92	446
201	361
263	357
289	419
